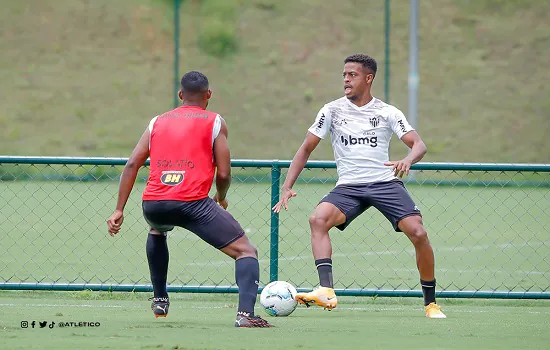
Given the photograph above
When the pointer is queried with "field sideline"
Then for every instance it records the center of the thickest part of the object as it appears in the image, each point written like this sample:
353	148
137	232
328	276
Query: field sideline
205	322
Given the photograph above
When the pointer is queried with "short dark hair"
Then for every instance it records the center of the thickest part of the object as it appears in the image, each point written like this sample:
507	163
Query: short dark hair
194	82
365	60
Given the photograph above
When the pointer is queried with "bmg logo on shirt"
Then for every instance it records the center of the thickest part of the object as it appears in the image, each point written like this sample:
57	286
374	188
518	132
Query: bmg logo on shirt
172	178
350	140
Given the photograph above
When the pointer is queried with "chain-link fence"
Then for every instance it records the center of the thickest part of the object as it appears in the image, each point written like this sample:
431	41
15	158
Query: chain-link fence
488	224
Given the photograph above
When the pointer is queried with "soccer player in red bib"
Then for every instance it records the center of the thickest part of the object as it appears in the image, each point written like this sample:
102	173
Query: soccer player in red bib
188	148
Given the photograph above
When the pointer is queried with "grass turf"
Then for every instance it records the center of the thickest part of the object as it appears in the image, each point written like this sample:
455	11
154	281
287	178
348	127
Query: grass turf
206	322
484	239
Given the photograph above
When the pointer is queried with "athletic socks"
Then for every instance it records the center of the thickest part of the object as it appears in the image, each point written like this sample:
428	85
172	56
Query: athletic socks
157	256
324	268
247	275
428	289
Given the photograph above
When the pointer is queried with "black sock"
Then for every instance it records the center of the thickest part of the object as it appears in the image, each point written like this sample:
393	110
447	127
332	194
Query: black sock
428	289
324	268
247	275
157	255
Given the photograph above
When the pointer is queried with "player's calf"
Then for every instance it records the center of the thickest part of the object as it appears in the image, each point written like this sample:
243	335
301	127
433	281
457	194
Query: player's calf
247	276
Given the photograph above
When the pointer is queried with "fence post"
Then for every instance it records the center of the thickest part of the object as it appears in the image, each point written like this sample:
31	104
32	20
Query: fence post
274	237
177	4
387	25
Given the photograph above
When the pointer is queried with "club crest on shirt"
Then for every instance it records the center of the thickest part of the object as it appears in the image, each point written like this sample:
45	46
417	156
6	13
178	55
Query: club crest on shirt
374	121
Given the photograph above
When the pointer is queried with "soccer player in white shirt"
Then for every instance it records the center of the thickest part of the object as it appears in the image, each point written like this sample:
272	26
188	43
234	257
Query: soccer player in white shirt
360	127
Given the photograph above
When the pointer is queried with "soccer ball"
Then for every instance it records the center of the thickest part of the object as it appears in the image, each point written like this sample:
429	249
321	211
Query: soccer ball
277	298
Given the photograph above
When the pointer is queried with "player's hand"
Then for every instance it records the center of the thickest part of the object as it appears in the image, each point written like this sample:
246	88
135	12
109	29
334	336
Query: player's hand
286	194
114	222
222	202
400	167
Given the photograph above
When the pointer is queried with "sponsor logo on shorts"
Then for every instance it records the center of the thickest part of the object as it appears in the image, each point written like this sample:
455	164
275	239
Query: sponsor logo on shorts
172	178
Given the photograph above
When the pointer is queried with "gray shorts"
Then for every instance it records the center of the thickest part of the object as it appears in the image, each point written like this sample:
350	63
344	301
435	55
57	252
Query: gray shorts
203	217
390	198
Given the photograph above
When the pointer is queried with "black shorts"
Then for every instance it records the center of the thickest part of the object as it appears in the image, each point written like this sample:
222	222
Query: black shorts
390	198
203	217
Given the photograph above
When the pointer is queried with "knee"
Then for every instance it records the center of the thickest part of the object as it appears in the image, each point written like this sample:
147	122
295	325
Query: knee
253	251
418	235
317	221
249	250
240	249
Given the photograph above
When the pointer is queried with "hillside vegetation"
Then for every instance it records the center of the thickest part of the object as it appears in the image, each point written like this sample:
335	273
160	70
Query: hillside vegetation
84	77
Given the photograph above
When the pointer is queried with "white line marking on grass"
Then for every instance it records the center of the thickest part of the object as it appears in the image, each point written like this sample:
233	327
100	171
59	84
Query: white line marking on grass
108	306
454	308
409	251
462	271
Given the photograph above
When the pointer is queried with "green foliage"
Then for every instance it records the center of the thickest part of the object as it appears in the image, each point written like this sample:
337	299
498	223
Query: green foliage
219	8
217	33
267	5
91	91
497	6
217	38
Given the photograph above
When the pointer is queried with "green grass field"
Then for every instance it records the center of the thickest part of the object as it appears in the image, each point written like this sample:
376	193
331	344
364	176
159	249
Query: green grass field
84	77
205	322
484	238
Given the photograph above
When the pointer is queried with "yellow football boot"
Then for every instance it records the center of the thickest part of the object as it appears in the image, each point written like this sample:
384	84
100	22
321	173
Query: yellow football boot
434	311
322	296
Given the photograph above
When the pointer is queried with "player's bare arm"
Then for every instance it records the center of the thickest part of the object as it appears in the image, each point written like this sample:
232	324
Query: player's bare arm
222	157
127	180
418	150
298	163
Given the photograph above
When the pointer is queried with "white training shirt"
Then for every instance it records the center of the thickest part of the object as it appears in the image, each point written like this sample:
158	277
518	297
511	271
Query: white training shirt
360	138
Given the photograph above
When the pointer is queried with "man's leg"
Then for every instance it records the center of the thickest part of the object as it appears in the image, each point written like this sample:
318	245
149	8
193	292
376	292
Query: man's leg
156	249
219	228
157	256
324	217
247	273
247	276
337	209
413	227
394	202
